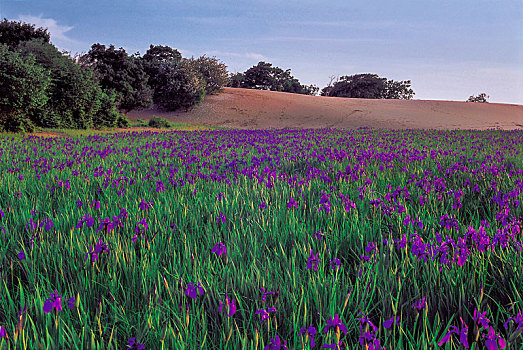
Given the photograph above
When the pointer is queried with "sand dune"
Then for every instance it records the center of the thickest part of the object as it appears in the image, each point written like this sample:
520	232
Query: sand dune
255	109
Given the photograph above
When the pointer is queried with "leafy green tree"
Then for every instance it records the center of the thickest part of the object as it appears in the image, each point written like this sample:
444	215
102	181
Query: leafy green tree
161	53
13	33
481	98
213	71
368	86
23	89
74	93
179	86
236	80
266	77
121	73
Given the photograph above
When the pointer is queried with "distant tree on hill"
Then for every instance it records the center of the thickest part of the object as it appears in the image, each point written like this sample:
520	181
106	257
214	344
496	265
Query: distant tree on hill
265	76
161	54
13	33
213	71
368	86
121	73
482	98
178	86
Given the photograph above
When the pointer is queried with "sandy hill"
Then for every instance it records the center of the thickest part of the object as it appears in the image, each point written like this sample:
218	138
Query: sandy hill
256	109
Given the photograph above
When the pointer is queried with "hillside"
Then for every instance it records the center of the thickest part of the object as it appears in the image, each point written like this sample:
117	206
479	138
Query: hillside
256	109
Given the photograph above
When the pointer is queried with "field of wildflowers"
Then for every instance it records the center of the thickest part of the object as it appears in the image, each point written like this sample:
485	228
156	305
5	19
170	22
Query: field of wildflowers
306	239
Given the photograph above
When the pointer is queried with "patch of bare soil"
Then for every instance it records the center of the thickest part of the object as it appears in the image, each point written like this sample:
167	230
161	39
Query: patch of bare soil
256	109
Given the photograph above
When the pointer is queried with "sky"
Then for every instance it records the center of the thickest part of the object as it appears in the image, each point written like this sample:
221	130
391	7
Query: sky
448	49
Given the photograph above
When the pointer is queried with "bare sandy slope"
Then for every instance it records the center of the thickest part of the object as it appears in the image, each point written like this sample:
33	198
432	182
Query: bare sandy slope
255	109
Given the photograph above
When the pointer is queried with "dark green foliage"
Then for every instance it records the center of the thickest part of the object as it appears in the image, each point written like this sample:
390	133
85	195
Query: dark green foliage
369	86
236	80
213	71
108	115
158	122
124	74
178	86
264	76
12	33
23	90
161	53
74	95
481	98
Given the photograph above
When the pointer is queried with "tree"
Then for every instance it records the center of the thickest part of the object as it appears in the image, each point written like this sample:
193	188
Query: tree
368	86
161	53
13	33
213	71
179	86
121	73
23	89
236	80
264	76
74	93
481	98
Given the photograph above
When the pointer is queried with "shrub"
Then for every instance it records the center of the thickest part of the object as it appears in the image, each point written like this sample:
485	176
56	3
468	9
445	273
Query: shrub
481	98
158	122
23	90
178	86
213	71
74	93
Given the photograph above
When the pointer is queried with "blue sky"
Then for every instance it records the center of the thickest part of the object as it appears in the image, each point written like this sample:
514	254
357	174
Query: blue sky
448	49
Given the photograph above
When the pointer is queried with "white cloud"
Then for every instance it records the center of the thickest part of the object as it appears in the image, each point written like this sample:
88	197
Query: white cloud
58	32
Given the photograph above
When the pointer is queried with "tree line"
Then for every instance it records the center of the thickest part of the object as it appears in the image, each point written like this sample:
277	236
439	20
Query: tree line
265	76
43	87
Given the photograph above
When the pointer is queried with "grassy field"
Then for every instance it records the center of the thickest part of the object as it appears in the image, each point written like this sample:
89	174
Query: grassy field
230	239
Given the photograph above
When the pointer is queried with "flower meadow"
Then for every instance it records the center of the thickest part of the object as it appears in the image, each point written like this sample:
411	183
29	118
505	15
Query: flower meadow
280	239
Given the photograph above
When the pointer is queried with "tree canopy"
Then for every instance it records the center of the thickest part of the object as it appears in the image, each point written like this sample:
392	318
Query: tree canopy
369	86
13	33
265	76
121	73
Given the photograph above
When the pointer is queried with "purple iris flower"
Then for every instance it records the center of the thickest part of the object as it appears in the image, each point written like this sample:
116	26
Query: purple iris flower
420	304
313	260
463	334
230	305
193	289
480	318
518	320
401	243
263	205
3	332
71	302
79	203
393	321
318	235
95	204
53	302
335	264
276	344
494	341
222	218
143	205
219	249
134	345
336	324
292	203
310	332
21	255
265	293
47	224
264	313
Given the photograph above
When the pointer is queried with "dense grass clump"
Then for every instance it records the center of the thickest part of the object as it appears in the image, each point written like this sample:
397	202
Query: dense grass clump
251	239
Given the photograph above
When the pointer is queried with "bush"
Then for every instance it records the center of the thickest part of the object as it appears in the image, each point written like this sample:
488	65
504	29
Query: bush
75	96
178	86
481	98
158	122
23	90
213	72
